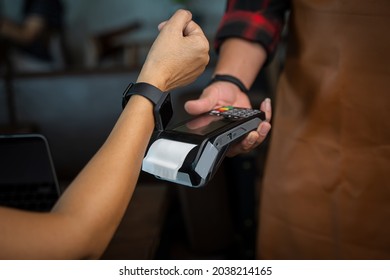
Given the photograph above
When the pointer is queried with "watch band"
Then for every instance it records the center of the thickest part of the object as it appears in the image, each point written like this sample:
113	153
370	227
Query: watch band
163	111
230	79
144	89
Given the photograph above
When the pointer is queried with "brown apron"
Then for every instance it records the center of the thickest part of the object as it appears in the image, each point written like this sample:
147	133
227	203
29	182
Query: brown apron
326	191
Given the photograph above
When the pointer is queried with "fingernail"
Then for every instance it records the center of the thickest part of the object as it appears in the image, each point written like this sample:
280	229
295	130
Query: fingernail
268	104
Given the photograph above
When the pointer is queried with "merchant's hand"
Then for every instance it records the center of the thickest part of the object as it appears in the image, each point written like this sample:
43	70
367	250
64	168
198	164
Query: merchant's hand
223	94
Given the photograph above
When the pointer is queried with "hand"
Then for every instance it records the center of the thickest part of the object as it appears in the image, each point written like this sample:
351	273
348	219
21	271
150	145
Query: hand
223	93
179	54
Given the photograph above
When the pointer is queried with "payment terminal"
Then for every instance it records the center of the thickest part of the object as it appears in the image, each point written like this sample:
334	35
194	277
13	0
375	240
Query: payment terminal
189	153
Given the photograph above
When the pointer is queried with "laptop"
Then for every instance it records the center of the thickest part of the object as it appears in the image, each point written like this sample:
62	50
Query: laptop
28	179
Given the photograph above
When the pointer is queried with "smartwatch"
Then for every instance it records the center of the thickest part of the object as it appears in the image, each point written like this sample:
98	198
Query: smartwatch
161	101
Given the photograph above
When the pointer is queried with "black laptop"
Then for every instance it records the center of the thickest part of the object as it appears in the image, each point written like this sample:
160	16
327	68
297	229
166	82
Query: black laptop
28	179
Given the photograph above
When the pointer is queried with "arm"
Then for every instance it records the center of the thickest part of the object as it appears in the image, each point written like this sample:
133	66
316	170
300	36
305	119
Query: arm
39	17
246	40
88	213
242	59
24	33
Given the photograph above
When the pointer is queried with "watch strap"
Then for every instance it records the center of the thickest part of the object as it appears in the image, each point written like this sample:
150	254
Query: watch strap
163	111
144	89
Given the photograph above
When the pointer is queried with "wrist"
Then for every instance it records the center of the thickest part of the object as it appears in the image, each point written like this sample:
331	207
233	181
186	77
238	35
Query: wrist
149	75
230	79
160	100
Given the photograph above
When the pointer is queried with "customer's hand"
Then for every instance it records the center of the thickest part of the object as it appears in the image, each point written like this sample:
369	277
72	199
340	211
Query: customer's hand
179	54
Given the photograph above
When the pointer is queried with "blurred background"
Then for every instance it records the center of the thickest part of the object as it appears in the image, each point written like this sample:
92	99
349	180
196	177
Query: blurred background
64	76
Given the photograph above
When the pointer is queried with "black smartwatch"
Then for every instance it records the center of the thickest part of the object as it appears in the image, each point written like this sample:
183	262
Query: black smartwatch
161	100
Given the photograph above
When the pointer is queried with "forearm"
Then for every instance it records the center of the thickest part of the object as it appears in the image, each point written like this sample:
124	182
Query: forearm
88	213
98	197
242	59
22	33
86	216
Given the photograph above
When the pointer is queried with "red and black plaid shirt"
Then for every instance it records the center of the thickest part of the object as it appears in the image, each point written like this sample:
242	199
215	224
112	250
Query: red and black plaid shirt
254	20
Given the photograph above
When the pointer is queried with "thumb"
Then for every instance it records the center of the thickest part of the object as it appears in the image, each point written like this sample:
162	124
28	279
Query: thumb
199	106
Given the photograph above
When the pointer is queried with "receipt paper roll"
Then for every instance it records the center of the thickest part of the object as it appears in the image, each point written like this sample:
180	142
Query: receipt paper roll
165	157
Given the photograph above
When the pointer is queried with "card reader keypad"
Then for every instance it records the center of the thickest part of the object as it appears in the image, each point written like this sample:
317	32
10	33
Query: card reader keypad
234	112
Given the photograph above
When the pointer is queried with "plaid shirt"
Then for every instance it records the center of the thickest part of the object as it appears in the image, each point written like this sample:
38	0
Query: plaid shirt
254	20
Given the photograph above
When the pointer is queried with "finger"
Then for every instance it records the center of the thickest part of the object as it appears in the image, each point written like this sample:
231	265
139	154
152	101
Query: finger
267	109
179	20
263	130
244	146
161	25
199	106
251	141
192	28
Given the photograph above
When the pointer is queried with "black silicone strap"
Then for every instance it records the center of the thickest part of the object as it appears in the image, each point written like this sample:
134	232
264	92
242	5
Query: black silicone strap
230	79
161	100
146	90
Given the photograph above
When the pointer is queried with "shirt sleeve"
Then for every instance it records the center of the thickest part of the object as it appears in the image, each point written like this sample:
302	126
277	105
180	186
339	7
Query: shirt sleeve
254	20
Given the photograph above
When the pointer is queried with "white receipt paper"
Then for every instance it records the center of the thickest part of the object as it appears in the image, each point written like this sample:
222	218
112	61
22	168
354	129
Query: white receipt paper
165	157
